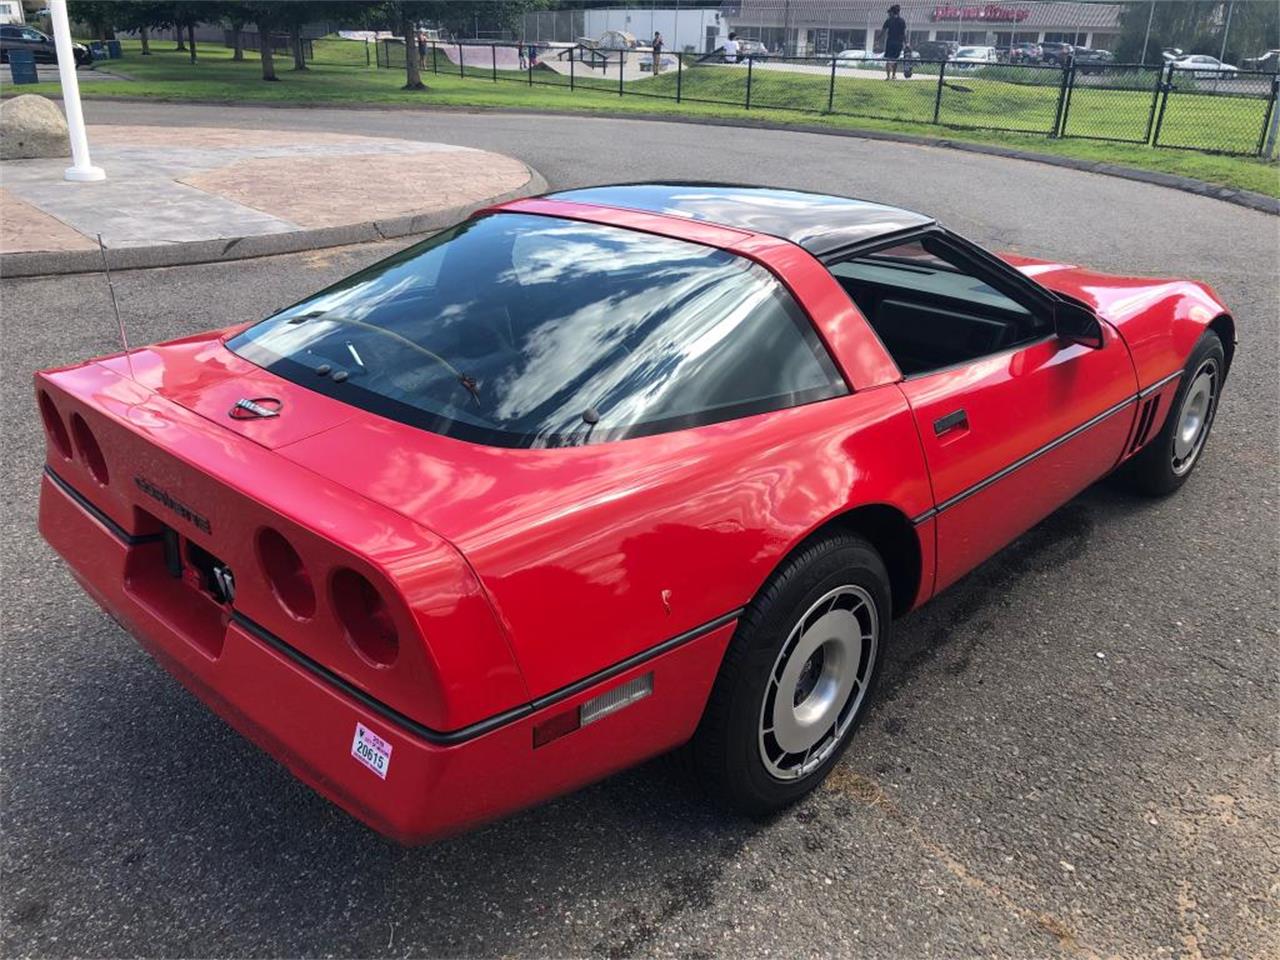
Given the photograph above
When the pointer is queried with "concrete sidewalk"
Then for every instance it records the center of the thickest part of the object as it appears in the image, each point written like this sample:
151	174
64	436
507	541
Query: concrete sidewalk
182	195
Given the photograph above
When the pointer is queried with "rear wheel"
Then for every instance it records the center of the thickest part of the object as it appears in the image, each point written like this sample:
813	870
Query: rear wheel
797	677
1164	464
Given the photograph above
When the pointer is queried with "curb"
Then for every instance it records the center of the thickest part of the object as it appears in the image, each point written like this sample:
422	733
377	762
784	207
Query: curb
1249	199
46	262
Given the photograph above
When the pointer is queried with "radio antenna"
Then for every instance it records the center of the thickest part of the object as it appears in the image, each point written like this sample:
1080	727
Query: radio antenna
115	307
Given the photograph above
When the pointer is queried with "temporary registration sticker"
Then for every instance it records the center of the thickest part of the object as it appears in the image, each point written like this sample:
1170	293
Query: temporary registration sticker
371	750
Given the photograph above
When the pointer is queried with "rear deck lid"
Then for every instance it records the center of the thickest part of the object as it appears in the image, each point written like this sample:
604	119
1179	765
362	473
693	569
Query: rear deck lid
201	375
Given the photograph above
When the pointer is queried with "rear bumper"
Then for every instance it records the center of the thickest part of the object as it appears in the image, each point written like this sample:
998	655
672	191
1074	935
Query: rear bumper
435	783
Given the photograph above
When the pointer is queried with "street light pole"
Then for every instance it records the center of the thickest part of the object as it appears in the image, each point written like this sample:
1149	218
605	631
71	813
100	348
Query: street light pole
1146	41
1222	55
82	171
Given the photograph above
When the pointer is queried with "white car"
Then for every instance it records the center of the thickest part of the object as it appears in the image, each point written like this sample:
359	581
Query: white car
970	57
854	58
1204	67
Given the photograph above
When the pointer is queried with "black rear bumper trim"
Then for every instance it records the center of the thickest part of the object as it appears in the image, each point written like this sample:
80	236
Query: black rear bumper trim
117	531
480	727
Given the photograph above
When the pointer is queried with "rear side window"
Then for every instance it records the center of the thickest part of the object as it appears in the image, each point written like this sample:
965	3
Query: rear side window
519	330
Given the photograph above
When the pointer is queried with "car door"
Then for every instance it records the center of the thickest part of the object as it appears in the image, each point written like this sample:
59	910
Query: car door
1013	420
34	41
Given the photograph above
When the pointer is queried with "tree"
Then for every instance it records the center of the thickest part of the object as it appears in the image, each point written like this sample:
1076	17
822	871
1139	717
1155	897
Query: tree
406	16
294	16
266	15
185	17
1197	26
237	16
458	16
100	15
141	18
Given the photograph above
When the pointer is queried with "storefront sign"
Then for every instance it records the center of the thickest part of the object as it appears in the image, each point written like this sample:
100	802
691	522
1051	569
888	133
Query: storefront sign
992	12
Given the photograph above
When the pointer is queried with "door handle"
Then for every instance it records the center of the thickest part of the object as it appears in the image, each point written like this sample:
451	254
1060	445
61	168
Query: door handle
955	420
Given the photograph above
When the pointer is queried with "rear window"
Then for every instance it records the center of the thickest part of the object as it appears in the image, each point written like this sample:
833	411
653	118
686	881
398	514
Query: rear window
519	330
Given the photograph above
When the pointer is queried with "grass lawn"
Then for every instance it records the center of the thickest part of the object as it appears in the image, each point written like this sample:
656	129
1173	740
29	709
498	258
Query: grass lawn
1025	110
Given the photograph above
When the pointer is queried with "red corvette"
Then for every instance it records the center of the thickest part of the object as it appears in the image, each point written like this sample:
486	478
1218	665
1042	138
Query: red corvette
592	476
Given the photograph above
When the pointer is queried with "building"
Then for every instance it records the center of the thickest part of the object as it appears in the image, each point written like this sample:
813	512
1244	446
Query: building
821	27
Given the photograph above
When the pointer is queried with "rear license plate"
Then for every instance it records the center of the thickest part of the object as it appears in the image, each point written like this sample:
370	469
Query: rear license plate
371	750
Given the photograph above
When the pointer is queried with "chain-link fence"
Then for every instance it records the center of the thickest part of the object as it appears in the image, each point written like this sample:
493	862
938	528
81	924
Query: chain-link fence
322	51
1168	107
340	52
1228	112
1114	102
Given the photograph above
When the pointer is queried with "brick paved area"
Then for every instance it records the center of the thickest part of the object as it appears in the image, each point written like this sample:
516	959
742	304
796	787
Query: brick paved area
169	185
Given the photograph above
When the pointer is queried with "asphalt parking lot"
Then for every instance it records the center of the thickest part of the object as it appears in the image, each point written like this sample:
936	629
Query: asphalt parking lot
1074	755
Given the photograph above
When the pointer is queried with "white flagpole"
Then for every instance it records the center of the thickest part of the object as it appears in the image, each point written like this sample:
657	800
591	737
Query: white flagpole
83	170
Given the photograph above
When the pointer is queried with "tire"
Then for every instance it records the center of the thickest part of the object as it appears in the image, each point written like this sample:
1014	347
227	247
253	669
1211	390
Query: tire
752	752
1165	463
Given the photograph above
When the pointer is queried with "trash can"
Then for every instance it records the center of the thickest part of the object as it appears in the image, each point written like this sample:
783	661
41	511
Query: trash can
97	50
113	50
22	66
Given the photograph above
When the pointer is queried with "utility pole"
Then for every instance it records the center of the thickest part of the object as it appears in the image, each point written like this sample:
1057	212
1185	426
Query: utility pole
1146	41
1222	55
82	169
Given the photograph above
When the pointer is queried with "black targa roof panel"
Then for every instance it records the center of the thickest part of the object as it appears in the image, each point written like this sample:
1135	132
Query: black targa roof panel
816	221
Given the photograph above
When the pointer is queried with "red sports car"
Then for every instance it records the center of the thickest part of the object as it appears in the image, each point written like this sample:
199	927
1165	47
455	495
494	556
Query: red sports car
592	476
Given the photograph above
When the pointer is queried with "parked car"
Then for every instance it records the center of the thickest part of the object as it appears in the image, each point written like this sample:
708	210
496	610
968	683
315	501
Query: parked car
971	57
1269	62
856	57
594	475
936	49
1203	67
15	37
1092	61
1026	53
752	48
1056	53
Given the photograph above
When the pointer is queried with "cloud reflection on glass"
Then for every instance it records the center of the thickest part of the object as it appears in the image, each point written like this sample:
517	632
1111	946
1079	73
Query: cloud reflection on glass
526	330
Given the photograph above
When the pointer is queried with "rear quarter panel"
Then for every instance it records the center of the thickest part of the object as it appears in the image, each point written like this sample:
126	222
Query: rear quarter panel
461	674
593	554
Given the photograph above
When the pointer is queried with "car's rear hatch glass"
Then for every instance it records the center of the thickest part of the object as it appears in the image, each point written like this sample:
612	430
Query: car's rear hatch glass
522	330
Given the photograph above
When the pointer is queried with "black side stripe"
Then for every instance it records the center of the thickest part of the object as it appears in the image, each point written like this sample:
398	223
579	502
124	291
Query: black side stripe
390	714
480	727
117	531
1147	391
1034	454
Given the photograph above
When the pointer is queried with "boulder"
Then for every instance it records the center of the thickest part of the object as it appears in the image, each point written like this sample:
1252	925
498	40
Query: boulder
32	126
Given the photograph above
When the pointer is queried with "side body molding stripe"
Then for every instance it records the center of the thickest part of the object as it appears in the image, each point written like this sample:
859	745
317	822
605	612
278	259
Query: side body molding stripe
1041	451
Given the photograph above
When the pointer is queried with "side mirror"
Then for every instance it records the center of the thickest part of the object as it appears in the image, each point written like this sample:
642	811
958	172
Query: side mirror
1076	323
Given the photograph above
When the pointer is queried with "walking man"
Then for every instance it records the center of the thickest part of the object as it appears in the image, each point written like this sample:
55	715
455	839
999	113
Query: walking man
895	33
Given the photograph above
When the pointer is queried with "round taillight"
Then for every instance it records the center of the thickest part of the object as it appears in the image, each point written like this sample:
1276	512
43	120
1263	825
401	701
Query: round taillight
365	618
53	426
87	447
286	574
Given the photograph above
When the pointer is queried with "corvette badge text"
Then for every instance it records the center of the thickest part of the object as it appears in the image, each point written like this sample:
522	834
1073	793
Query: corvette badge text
177	506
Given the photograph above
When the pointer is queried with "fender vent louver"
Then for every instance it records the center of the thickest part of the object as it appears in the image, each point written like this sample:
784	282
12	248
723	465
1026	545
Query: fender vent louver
1146	417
